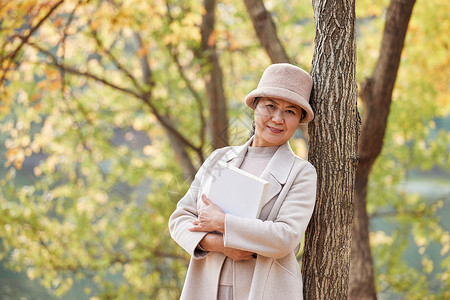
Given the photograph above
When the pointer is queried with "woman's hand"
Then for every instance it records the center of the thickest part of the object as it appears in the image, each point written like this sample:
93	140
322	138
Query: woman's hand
213	242
210	218
238	255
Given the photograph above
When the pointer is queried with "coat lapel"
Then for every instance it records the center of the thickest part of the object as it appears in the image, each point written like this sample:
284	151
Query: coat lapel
236	155
276	172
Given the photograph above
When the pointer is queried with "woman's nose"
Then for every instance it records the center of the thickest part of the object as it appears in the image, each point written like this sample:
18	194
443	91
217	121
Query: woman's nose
278	116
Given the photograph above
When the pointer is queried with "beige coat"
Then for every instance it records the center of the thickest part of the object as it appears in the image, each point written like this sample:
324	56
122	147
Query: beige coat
275	236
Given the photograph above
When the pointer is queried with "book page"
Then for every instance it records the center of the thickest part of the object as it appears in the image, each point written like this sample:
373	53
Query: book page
237	192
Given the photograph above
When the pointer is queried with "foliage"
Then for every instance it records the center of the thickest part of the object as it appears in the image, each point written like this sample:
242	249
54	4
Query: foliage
83	97
89	177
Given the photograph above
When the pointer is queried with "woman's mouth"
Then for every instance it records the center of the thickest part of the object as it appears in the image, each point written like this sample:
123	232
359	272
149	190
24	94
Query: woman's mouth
274	130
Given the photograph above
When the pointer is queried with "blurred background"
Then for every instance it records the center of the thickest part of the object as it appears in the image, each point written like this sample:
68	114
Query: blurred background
108	107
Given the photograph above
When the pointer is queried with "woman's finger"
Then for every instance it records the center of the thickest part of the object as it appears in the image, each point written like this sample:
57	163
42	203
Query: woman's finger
196	227
205	200
193	229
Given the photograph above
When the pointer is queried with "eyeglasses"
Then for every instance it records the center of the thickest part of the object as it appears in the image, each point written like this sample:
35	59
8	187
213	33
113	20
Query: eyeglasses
271	109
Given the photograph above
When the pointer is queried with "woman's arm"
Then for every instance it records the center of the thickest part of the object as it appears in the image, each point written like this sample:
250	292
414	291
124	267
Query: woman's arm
269	238
213	242
279	237
186	212
212	219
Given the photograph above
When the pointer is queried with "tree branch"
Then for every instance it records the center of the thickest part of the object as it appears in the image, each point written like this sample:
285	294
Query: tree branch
174	54
166	122
178	141
143	95
266	31
196	95
376	91
419	212
145	66
74	71
12	55
114	60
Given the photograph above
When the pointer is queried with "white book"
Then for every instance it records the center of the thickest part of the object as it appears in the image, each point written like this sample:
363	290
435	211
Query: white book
237	192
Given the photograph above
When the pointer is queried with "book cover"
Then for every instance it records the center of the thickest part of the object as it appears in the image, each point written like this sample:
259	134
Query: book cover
237	192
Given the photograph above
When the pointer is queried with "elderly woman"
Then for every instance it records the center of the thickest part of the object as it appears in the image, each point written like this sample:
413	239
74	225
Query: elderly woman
239	258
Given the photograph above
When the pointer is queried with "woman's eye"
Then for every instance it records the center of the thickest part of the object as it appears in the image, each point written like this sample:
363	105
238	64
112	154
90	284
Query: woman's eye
271	106
290	112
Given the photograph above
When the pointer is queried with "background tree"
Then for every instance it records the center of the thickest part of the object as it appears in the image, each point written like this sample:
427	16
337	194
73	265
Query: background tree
214	80
376	96
379	88
105	111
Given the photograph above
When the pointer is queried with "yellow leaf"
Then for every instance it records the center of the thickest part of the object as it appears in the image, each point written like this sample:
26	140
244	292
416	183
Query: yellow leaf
36	96
138	124
25	141
10	154
15	156
41	84
142	51
58	21
55	85
37	171
212	38
379	238
18	165
427	265
149	150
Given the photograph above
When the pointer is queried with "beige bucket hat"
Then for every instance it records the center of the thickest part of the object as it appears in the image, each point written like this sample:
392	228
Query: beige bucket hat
287	82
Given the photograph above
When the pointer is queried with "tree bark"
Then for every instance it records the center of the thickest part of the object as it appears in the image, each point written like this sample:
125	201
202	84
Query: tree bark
332	150
266	32
376	96
218	119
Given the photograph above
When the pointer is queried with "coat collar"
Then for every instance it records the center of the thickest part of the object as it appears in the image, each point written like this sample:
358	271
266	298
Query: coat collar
276	172
279	166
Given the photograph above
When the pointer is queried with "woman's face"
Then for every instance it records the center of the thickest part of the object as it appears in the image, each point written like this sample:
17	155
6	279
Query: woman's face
276	121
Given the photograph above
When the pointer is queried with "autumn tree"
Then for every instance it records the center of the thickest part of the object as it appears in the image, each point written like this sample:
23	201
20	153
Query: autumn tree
78	211
329	233
362	282
376	97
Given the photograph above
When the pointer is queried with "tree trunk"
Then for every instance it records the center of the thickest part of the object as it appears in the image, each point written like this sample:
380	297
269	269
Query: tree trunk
181	155
376	96
266	32
218	119
333	151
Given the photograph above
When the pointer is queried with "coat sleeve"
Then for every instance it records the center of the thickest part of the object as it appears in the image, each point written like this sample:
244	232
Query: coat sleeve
181	219
279	237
